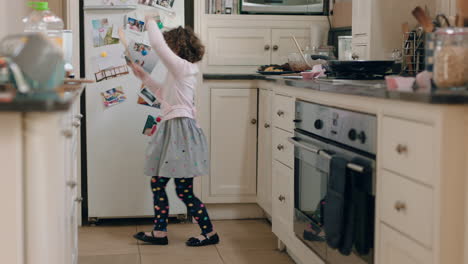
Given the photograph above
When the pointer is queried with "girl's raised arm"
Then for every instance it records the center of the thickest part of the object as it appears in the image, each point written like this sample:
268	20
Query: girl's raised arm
174	64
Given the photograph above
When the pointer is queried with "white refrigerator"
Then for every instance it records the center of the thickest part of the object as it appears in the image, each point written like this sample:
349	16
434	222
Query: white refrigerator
117	186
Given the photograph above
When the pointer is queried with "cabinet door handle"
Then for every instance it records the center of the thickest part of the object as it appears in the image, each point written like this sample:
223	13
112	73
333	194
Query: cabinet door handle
79	199
79	116
401	149
76	124
267	47
280	147
267	125
275	47
281	198
72	184
253	121
67	133
400	206
280	113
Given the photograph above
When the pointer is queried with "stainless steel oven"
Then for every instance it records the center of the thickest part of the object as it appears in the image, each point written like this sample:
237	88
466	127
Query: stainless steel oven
321	134
284	6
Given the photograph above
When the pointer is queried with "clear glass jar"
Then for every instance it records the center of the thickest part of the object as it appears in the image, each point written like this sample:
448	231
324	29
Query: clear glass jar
297	63
451	57
345	48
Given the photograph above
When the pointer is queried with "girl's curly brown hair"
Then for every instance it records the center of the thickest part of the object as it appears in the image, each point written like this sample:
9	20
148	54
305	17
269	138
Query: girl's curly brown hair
185	43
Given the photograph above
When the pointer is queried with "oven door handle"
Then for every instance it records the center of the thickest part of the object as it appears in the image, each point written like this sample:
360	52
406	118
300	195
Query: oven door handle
303	146
351	166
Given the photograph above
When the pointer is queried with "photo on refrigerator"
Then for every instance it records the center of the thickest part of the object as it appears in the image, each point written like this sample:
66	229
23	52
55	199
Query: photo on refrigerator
113	96
155	3
146	97
135	25
103	33
143	55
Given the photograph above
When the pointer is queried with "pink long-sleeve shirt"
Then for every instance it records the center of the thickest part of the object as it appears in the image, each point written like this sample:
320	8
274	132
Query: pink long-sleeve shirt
177	93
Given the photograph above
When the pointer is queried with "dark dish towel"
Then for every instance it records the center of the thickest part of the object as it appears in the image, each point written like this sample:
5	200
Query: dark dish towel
364	207
335	201
348	237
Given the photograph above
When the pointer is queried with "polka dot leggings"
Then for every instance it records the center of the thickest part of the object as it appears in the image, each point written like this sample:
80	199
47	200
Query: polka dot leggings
184	190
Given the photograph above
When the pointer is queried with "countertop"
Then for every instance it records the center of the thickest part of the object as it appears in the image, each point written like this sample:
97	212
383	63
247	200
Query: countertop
51	103
374	88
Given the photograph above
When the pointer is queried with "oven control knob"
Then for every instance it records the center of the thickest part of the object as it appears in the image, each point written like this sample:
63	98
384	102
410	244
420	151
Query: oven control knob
352	134
362	137
318	124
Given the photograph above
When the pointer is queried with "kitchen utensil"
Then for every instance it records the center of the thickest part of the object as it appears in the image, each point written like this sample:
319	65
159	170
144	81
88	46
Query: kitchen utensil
299	49
360	68
423	19
406	46
441	21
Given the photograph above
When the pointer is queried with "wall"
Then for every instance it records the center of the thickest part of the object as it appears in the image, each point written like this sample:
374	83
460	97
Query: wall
11	13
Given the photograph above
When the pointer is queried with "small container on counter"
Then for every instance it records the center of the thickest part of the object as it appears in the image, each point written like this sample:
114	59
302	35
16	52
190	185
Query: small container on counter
451	58
297	62
345	48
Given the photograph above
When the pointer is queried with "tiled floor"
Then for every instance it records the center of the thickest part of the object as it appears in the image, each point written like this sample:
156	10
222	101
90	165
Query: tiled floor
242	241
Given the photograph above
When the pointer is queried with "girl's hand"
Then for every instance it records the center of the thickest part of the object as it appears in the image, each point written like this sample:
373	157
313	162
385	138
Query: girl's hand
139	72
149	18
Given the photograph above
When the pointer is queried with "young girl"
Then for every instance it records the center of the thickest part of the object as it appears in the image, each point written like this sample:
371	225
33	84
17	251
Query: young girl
178	149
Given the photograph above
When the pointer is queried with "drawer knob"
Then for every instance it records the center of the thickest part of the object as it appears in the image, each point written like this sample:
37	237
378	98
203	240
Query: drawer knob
72	184
400	206
275	47
253	121
280	147
281	198
76	124
79	199
267	47
401	149
267	125
67	133
280	113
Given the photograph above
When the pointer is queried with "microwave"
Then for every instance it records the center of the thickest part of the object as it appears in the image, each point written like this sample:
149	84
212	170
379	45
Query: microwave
299	7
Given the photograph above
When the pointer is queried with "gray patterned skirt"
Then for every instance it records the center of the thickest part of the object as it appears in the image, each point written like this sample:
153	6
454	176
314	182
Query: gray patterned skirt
178	149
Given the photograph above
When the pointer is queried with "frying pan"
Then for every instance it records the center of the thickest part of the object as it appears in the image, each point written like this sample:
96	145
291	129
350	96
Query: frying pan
375	67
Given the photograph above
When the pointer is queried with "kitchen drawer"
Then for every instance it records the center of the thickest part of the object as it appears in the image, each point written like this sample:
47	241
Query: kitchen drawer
408	148
283	150
395	248
282	201
283	112
407	206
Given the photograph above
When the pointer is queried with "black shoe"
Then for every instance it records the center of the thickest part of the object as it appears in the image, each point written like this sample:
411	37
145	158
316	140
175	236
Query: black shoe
151	239
195	242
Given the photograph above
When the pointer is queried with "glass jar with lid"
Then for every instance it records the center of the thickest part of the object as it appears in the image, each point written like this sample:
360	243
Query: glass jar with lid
451	58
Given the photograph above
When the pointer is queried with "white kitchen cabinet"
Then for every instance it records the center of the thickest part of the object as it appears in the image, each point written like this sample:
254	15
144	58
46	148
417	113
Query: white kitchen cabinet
397	249
238	47
282	44
233	176
264	158
42	192
282	201
253	46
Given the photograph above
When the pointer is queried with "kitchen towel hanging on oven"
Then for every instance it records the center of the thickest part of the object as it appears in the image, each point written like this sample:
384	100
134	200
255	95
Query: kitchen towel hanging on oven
349	207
